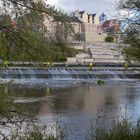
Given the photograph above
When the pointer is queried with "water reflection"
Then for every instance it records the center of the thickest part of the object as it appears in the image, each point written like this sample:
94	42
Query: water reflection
78	104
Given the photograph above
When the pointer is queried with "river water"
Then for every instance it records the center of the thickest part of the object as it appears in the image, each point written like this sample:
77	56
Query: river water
77	104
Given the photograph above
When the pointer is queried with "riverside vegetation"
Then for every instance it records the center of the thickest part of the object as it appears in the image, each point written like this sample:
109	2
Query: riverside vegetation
24	37
122	129
27	127
131	33
20	122
22	42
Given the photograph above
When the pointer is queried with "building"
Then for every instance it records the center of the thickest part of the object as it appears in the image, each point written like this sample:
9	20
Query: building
85	17
56	31
85	28
110	26
89	26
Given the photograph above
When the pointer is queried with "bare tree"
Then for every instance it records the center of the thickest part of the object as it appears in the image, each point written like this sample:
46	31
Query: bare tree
131	22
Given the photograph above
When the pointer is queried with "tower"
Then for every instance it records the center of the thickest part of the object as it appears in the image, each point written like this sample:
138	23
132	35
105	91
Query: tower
102	18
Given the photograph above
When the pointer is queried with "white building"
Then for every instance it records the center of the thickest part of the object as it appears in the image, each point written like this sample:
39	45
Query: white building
85	17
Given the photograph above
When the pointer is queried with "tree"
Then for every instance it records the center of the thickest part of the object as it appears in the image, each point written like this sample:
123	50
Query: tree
132	8
131	34
24	37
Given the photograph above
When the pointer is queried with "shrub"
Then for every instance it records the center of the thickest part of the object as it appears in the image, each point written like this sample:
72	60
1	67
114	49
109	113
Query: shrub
119	130
109	39
133	53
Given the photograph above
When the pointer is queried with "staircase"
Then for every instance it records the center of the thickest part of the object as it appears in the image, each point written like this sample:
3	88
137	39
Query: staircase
106	53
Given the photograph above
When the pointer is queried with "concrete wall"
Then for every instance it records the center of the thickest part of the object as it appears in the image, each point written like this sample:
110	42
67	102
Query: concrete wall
81	58
96	20
71	60
92	33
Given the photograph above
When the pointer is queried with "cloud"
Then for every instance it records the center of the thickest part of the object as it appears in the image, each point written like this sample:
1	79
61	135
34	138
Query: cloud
92	6
52	2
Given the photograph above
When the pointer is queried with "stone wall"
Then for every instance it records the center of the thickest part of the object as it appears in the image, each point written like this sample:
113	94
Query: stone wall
83	31
91	32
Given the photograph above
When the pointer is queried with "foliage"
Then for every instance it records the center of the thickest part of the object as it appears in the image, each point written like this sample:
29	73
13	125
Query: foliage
133	53
131	22
132	37
23	35
20	122
40	50
132	7
100	82
109	39
12	114
119	130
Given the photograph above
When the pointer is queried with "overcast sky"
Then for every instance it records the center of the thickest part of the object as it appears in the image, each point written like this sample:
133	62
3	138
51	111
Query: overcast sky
92	6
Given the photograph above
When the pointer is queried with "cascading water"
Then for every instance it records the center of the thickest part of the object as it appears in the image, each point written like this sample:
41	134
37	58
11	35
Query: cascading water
69	73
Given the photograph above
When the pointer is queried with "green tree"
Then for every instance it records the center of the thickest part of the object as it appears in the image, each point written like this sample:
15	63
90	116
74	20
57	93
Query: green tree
26	39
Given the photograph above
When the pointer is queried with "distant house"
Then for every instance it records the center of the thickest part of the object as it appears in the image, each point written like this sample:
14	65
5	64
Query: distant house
110	26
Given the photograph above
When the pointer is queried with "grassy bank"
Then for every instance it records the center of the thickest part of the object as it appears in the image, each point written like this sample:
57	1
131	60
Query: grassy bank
133	53
119	130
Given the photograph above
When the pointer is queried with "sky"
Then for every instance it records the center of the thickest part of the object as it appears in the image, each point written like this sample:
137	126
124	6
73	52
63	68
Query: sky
109	7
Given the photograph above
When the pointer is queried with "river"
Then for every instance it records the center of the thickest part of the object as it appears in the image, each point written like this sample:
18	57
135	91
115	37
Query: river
77	104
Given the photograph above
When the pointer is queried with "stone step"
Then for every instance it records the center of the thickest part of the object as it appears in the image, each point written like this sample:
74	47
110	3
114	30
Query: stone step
105	48
104	53
103	56
108	61
100	49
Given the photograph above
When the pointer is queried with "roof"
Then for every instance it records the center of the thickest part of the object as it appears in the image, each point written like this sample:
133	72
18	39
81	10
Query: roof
73	19
111	27
103	17
89	15
107	23
82	12
94	15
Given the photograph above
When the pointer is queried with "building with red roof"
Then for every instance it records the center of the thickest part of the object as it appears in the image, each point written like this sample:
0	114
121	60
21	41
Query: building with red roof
110	26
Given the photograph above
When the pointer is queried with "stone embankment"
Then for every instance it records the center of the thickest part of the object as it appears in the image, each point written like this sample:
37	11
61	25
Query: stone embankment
100	53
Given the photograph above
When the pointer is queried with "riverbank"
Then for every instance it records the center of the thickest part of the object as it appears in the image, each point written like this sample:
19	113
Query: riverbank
78	104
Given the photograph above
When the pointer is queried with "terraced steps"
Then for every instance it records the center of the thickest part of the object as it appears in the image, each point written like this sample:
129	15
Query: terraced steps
106	53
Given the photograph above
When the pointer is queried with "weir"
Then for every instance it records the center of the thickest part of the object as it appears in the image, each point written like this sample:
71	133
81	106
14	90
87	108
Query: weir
84	73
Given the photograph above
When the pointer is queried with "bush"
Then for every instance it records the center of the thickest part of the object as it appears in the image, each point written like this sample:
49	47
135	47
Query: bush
20	123
109	39
133	53
119	130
